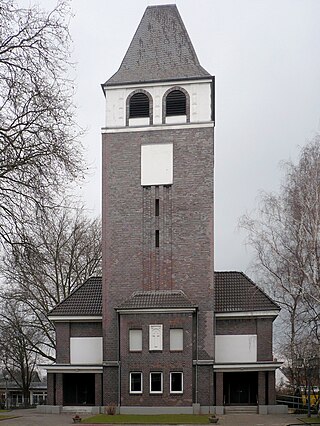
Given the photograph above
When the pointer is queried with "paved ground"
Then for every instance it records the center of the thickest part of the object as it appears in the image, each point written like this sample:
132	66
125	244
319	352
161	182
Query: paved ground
32	418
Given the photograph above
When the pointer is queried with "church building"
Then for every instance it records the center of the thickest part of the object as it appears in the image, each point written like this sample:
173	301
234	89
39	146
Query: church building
161	331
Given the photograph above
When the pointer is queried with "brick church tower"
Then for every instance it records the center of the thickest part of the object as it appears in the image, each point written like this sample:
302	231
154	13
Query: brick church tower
158	269
160	331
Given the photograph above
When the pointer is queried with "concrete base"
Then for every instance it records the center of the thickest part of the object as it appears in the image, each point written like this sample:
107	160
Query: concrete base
156	410
262	409
273	409
49	409
79	409
58	409
207	409
196	408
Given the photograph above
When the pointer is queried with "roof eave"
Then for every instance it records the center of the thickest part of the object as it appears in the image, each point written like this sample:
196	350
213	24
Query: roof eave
248	314
128	311
144	82
75	318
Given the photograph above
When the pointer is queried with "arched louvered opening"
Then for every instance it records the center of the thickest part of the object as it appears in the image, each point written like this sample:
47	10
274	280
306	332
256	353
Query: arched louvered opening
139	106
176	103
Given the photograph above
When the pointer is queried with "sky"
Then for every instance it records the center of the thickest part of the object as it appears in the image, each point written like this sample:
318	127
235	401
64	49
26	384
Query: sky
265	56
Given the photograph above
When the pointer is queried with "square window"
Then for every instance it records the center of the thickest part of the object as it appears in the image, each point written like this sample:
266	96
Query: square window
176	339
135	382
155	337
156	382
135	340
176	382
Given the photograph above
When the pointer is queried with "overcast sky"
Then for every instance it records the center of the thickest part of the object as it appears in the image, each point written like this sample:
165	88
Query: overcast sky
266	58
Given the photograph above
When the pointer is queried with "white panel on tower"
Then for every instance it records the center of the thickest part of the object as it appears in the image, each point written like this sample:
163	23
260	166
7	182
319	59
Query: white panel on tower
157	164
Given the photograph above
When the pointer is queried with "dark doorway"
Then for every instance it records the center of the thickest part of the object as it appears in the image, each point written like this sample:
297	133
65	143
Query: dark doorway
240	388
78	389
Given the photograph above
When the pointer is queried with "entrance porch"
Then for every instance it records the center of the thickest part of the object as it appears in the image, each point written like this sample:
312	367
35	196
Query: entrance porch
246	389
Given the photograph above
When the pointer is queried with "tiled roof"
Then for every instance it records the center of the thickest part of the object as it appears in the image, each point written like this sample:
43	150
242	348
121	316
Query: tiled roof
235	292
160	50
84	300
157	299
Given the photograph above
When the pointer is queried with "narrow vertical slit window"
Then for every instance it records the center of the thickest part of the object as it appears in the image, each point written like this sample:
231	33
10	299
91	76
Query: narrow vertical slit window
157	238
157	207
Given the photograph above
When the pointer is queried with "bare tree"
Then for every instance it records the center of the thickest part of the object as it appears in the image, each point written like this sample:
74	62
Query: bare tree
285	234
39	149
61	249
17	355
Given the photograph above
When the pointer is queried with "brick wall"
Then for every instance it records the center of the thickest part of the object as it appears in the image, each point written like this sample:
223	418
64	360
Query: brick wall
192	222
63	342
236	326
59	389
262	327
271	388
187	263
264	332
110	385
219	388
262	377
98	389
85	329
51	388
65	330
164	361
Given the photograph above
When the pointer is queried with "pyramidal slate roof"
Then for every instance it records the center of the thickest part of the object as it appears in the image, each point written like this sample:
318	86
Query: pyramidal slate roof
160	50
157	299
236	292
85	300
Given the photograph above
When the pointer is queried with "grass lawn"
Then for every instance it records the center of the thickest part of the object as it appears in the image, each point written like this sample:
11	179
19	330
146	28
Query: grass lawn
2	417
169	419
312	420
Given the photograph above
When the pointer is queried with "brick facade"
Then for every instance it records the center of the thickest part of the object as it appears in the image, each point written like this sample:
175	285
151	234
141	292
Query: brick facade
262	327
164	361
63	342
264	333
159	239
85	329
127	234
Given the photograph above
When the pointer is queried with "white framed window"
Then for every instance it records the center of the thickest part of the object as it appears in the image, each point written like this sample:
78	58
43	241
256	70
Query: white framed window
156	382
176	382
135	385
155	337
176	339
135	340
